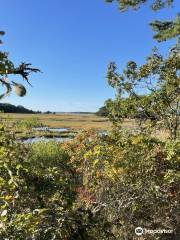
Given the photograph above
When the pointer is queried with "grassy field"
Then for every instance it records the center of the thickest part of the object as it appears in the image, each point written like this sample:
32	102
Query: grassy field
72	121
75	121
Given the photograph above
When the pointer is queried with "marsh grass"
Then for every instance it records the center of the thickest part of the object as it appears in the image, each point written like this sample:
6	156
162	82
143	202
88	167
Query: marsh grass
22	124
72	121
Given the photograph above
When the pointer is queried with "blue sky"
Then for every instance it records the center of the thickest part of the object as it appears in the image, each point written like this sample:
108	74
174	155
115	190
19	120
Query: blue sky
72	42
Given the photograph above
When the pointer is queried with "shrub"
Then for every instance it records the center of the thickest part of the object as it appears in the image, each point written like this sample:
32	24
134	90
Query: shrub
36	190
28	124
134	180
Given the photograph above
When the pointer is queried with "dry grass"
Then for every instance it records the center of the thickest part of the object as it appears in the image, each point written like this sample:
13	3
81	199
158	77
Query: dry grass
72	121
76	121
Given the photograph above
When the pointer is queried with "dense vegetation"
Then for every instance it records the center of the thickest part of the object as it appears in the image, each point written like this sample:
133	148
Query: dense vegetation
100	187
102	112
9	108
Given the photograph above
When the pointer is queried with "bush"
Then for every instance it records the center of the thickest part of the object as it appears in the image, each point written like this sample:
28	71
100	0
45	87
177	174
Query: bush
134	182
28	124
37	190
102	112
89	188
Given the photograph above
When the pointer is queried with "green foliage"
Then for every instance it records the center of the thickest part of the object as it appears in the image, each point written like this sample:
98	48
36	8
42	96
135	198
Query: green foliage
7	68
9	108
135	178
160	79
129	181
102	112
89	188
40	188
28	124
37	190
167	29
13	159
135	4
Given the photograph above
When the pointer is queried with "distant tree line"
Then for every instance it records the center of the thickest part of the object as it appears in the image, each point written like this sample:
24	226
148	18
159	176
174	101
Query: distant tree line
9	108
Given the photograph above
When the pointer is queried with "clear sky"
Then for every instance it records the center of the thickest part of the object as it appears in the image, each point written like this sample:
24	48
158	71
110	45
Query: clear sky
72	42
